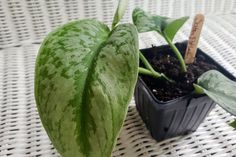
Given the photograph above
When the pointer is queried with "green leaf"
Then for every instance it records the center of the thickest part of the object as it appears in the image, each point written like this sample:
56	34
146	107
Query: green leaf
122	5
173	25
163	25
219	88
84	79
233	124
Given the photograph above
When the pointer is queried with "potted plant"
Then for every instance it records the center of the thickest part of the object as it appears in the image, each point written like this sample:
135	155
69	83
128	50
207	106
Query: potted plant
166	117
172	98
85	76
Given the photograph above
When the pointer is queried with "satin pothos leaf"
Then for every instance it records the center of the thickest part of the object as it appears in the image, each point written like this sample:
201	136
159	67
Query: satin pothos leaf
84	79
146	22
219	88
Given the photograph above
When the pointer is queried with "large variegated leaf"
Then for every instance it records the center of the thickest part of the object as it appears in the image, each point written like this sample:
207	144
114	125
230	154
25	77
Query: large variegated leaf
163	25
219	88
84	79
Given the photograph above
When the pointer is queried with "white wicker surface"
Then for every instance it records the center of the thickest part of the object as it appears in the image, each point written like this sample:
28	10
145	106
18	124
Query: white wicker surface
27	21
23	23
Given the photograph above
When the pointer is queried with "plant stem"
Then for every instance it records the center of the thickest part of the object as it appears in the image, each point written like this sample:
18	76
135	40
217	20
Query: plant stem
177	53
153	74
146	63
150	71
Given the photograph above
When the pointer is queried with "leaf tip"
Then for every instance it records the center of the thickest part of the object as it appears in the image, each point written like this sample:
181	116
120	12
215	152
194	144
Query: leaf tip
233	124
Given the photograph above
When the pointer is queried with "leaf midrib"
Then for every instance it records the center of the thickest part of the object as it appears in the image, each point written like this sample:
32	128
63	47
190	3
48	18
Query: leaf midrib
84	108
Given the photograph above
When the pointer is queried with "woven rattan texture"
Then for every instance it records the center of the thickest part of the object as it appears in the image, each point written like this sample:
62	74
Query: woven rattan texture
24	23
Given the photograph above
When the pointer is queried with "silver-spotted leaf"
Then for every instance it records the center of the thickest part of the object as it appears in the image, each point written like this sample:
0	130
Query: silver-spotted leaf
163	25
84	79
219	88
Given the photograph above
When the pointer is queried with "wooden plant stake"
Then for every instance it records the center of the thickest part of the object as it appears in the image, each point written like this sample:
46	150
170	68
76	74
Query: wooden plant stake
193	39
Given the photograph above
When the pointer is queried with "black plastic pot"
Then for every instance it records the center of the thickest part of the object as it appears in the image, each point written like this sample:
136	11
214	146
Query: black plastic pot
176	117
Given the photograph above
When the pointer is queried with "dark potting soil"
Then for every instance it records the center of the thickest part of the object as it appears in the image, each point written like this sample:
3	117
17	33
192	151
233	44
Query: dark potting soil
169	65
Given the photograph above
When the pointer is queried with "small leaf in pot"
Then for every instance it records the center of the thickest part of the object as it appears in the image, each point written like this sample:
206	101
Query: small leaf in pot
166	27
219	88
163	25
173	25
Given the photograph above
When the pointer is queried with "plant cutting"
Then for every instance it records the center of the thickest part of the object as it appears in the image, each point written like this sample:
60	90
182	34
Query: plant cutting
177	104
85	76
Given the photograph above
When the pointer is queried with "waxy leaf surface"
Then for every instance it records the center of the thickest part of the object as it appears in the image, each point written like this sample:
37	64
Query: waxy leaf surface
163	25
219	88
84	79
